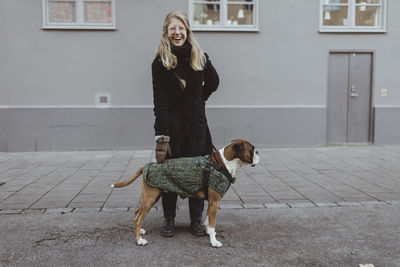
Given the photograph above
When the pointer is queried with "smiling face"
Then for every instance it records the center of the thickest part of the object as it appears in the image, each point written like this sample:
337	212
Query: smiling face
177	32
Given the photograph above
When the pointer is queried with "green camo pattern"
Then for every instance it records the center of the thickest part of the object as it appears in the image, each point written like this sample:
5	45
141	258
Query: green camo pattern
184	176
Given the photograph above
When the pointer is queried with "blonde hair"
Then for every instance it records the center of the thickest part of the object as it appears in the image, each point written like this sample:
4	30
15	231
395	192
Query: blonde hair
197	58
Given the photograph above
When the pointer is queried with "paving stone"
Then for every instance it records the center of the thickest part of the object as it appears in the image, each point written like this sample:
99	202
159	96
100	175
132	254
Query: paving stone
84	210
90	197
327	204
372	203
276	205
393	202
349	204
230	206
228	202
34	211
50	204
114	209
256	199
62	210
143	154
3	212
14	206
302	205
253	206
97	205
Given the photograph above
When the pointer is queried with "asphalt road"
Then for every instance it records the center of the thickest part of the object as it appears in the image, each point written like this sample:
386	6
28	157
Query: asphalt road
332	236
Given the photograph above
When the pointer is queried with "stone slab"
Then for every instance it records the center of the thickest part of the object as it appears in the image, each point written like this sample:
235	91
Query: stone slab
302	205
372	203
349	204
230	206
276	205
253	206
61	210
10	211
114	209
79	210
327	204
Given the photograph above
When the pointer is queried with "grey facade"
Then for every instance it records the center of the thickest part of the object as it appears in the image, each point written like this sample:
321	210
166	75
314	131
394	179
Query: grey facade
273	90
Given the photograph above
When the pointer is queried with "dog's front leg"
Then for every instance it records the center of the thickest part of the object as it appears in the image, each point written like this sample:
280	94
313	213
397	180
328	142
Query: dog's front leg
211	219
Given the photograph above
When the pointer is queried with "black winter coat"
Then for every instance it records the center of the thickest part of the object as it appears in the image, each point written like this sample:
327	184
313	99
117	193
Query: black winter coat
180	112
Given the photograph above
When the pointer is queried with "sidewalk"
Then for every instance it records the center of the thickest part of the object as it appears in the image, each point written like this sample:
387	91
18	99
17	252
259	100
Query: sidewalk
36	182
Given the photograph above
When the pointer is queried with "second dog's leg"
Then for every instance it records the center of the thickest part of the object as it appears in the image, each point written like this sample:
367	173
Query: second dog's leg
150	196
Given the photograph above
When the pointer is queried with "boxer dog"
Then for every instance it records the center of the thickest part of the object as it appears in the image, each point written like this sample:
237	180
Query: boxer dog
226	160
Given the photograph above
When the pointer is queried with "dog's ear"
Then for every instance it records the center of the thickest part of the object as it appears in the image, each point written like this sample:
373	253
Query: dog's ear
238	147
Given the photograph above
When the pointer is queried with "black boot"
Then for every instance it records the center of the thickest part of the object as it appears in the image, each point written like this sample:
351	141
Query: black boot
197	228
168	229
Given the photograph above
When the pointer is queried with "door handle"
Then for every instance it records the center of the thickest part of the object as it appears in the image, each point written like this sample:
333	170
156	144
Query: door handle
353	94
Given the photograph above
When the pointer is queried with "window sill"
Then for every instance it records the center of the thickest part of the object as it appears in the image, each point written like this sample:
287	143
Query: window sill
80	27
224	29
337	30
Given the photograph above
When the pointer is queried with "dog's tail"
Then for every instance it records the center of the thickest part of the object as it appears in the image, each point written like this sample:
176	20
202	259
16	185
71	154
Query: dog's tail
130	180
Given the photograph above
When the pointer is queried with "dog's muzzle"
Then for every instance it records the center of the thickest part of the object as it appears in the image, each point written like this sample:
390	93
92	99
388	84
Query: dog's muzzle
256	158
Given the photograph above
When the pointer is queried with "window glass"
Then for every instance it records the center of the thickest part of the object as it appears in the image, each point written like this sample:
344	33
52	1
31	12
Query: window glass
353	15
78	14
327	2
369	1
97	12
335	16
368	16
206	14
62	11
224	15
240	14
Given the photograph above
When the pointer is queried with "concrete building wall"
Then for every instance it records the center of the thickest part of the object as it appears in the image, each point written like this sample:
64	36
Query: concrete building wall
273	87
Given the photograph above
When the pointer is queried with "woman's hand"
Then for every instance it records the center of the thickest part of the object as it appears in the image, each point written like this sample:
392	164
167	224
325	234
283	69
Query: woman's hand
162	148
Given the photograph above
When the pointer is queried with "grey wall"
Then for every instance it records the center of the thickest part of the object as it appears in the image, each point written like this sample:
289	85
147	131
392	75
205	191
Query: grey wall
55	129
273	83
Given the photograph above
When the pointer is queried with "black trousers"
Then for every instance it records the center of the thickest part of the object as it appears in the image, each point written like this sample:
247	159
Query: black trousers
196	206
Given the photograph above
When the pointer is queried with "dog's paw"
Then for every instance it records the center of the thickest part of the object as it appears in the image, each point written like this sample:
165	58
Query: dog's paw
112	185
216	244
142	242
142	231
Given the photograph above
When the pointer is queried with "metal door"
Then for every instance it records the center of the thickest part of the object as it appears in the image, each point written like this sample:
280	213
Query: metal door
349	98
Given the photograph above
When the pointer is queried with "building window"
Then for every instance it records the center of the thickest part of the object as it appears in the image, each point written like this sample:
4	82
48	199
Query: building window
78	14
353	15
223	15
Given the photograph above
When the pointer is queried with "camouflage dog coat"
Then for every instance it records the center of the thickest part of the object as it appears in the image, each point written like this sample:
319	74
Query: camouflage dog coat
184	176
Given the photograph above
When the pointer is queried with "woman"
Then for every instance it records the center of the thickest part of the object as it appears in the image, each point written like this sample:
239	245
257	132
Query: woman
183	79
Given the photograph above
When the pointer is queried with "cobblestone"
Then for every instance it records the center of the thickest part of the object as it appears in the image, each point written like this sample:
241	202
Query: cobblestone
349	204
276	206
327	204
302	205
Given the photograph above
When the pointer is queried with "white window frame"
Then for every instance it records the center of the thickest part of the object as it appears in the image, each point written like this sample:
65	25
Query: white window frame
223	15
351	14
80	24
